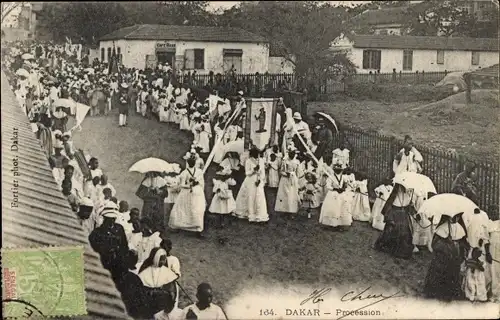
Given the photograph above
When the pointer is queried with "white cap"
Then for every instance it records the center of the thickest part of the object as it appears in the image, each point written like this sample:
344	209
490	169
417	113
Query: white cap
297	116
109	213
240	92
187	156
124	85
67	134
87	202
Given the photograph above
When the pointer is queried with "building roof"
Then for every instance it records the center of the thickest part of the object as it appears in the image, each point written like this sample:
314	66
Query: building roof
424	42
185	33
384	16
43	216
492	72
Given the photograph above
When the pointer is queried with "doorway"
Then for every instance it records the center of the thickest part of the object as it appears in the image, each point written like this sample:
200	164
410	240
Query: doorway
163	57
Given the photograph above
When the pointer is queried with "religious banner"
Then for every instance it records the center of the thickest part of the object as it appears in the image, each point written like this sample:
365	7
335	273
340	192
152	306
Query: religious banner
260	126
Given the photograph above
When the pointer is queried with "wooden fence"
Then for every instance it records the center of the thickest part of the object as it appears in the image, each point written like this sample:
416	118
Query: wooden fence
258	84
374	153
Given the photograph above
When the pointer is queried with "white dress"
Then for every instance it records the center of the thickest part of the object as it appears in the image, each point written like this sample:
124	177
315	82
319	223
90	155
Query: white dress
493	269
273	173
287	199
383	192
189	209
223	201
173	188
334	211
184	123
218	149
251	200
361	203
205	135
147	244
349	192
341	156
163	113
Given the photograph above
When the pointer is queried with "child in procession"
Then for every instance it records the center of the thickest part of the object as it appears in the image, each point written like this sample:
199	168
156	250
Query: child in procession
382	192
223	202
309	194
361	203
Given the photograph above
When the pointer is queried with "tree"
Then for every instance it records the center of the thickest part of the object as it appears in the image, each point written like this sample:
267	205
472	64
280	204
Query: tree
300	31
8	8
449	18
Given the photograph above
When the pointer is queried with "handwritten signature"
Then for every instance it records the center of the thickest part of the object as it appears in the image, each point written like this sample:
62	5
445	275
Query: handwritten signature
318	295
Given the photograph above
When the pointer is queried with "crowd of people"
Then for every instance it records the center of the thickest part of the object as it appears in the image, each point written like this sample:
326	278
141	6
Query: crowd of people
301	167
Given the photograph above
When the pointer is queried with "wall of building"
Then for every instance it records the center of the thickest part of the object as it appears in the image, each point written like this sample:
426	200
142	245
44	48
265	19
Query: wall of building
255	56
425	60
280	65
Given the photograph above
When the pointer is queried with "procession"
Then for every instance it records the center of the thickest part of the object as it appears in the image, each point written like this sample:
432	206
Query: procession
251	161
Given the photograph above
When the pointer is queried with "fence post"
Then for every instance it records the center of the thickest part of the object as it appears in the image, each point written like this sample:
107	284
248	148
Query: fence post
416	77
423	76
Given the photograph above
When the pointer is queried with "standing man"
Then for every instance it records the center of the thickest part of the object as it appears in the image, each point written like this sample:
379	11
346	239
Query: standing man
123	105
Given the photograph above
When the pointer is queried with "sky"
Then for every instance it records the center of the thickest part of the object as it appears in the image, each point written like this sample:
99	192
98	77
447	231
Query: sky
214	5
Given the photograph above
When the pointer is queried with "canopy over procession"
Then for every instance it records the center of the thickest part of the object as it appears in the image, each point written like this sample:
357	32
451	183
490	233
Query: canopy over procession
245	151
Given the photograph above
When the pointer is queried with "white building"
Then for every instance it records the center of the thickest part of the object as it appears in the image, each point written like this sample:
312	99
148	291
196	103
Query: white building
416	53
188	48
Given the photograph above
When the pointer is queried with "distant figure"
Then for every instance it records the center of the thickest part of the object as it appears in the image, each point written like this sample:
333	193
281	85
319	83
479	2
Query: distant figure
262	121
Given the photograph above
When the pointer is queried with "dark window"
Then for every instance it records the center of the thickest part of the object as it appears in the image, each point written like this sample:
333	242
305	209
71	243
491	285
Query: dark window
371	59
440	57
109	54
475	58
119	53
103	52
407	59
199	58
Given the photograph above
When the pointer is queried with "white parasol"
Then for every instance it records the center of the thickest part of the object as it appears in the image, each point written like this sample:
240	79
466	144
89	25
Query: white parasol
153	165
22	73
329	118
235	146
447	204
420	184
27	56
80	114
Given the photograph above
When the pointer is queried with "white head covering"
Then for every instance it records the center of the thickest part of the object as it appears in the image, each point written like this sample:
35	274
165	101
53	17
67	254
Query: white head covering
158	255
187	155
297	116
240	92
67	134
87	202
455	230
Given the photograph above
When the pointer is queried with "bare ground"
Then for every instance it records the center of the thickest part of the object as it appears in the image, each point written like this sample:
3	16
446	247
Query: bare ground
449	124
283	252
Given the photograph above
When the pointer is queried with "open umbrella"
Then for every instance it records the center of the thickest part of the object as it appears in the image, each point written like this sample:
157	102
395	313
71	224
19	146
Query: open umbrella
447	204
329	118
27	56
420	184
153	165
235	146
22	73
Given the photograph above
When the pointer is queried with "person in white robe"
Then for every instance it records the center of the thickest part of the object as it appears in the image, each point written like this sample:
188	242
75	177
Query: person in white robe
204	309
223	202
184	123
218	148
421	225
273	166
361	203
341	155
149	241
163	112
153	272
189	209
350	191
287	198
493	266
123	217
477	225
251	199
382	192
205	134
408	159
334	211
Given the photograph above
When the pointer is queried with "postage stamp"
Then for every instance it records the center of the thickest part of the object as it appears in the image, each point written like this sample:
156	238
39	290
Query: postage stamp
43	282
